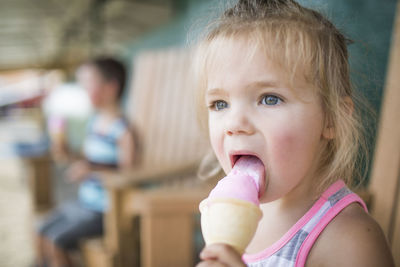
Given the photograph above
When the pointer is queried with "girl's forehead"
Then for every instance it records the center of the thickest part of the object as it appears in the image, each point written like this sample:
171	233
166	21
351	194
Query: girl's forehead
230	50
228	55
232	57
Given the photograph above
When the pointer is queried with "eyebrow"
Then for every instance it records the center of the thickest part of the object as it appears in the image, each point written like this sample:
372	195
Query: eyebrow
216	91
255	85
263	84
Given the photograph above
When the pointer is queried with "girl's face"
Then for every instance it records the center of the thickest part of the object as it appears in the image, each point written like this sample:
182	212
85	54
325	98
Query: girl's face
98	89
252	111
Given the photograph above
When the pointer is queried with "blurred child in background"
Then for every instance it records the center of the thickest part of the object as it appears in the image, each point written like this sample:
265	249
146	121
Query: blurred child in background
108	145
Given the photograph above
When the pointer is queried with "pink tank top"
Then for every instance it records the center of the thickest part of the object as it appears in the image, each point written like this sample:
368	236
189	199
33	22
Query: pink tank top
293	248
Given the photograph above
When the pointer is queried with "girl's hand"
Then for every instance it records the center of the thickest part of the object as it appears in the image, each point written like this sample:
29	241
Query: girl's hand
78	171
220	255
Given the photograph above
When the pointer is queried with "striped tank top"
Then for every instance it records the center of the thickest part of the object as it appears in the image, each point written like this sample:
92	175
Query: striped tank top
100	148
293	248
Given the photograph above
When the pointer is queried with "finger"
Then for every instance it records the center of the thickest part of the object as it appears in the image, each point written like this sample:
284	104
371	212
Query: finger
211	263
223	253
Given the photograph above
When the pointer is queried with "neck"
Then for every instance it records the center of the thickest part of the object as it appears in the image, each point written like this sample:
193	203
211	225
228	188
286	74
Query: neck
280	215
109	111
295	203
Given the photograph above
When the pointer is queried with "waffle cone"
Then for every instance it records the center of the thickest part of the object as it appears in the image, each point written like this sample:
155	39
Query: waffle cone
229	221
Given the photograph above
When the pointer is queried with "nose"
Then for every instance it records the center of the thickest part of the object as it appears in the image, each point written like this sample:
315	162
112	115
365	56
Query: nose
239	123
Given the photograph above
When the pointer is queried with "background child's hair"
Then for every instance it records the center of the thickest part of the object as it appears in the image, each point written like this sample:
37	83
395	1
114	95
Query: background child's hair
303	42
110	69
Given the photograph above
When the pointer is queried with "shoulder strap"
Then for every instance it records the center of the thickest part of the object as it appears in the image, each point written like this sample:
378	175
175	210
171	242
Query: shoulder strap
325	220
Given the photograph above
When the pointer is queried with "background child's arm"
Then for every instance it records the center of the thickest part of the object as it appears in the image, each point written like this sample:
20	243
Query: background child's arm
220	255
79	170
126	146
353	239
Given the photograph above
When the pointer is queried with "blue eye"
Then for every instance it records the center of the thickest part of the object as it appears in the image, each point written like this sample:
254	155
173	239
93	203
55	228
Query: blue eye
270	100
219	105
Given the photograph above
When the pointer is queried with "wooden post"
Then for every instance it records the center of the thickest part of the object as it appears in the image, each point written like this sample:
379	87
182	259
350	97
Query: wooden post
166	225
396	235
166	240
40	183
120	230
112	222
386	169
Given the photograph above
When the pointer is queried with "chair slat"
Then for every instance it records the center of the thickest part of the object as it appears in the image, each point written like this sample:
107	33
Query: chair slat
161	108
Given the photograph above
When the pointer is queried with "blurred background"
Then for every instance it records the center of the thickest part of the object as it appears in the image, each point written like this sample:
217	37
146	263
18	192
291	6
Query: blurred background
44	111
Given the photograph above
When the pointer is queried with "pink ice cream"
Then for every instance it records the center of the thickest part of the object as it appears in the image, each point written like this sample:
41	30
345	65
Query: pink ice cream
245	181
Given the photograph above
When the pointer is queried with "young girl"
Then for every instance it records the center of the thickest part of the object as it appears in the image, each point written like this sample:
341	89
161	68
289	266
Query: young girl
274	77
108	145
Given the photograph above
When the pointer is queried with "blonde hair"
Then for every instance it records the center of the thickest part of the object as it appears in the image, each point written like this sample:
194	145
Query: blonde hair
302	41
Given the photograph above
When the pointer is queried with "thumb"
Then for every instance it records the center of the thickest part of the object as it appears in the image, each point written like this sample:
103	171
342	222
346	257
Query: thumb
223	253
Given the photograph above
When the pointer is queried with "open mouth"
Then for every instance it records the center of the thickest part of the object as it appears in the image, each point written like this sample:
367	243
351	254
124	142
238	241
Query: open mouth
236	156
234	159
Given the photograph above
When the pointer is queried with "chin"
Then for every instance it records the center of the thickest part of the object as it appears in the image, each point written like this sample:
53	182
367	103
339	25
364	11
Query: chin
96	105
270	196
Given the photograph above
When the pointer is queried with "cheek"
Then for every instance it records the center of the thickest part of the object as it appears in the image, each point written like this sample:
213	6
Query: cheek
283	147
217	140
290	157
95	97
215	135
292	151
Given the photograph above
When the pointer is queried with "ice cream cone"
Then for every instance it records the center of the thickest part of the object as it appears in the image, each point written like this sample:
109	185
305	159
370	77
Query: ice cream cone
229	221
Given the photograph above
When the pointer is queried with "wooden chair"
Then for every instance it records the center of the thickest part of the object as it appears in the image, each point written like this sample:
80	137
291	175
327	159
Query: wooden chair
150	221
385	179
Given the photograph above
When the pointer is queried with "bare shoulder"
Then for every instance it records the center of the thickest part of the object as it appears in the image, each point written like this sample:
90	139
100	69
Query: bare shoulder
352	238
126	140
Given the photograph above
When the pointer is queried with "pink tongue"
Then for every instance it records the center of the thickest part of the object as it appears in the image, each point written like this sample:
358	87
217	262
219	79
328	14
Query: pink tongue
250	166
243	182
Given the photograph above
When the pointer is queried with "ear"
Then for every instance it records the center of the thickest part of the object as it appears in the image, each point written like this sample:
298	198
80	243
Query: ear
329	129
